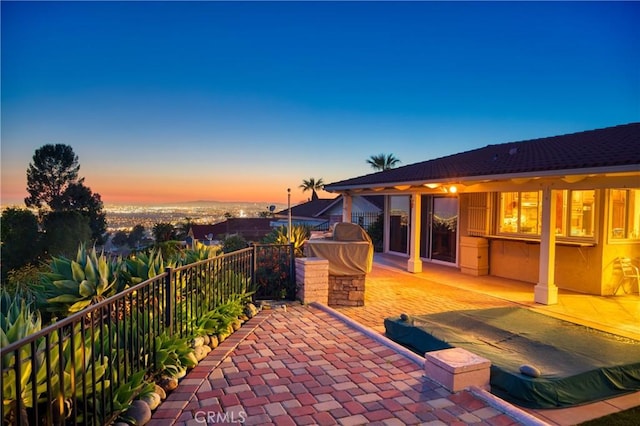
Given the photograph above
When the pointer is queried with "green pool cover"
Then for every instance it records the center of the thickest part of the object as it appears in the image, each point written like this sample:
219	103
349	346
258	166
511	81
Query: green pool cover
577	364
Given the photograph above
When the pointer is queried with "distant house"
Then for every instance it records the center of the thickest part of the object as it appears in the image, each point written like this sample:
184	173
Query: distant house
556	211
322	213
251	229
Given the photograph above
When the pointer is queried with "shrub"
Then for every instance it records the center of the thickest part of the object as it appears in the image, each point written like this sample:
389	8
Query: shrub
233	243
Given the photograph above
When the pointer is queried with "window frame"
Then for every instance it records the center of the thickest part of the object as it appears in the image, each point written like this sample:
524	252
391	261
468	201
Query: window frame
628	216
567	214
564	213
518	233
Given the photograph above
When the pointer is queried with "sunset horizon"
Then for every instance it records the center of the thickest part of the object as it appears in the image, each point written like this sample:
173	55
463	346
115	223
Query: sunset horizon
168	102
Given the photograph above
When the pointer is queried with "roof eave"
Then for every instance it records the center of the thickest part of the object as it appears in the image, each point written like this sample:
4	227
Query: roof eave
626	168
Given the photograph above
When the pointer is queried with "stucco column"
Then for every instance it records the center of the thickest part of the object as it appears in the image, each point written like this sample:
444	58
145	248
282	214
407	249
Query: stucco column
414	264
546	292
347	202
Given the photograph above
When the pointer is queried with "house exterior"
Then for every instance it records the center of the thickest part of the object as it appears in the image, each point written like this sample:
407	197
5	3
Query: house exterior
309	213
555	211
323	213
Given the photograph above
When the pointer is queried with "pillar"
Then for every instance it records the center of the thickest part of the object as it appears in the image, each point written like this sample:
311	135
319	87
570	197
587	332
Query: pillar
312	276
414	264
546	292
347	203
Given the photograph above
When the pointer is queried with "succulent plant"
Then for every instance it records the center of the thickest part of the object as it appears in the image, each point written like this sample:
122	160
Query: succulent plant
199	252
72	285
299	234
17	321
233	308
173	355
128	391
143	266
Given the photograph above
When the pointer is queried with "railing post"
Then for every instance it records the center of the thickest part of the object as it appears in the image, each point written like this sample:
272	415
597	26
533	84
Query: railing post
254	269
292	269
169	300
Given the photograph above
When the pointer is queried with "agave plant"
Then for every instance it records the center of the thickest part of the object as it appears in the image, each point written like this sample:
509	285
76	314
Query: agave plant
218	320
173	356
299	234
233	308
143	266
128	391
209	324
231	281
80	366
72	285
17	321
200	252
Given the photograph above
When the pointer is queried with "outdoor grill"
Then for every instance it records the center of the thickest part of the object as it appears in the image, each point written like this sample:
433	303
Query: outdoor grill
349	251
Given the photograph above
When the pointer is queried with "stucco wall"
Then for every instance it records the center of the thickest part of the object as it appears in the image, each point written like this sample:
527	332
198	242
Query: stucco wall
515	260
577	268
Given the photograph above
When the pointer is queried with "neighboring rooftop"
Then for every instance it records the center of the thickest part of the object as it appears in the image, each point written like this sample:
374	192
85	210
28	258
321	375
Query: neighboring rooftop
311	208
250	228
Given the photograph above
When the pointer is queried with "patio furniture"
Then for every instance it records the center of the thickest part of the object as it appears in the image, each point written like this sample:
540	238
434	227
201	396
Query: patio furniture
629	275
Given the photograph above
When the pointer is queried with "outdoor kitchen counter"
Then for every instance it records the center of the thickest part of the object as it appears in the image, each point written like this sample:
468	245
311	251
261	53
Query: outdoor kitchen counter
345	257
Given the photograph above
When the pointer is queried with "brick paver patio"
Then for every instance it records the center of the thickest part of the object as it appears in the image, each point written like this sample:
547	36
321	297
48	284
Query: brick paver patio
303	366
395	292
320	366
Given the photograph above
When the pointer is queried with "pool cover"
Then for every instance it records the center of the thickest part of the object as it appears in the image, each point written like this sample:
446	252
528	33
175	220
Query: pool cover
577	364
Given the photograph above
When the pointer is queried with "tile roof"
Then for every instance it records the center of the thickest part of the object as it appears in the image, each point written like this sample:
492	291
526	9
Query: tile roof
318	208
311	208
249	228
609	147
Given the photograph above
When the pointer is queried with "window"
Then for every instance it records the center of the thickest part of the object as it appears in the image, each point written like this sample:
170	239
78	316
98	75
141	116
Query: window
520	213
582	220
625	214
575	213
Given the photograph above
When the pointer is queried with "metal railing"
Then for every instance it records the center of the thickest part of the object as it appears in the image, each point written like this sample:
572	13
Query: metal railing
71	371
364	219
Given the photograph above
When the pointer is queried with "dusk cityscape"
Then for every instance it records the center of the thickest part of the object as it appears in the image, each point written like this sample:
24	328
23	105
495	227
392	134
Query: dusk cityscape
125	217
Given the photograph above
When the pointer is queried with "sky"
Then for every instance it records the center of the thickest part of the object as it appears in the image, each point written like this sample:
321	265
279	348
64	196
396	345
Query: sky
237	101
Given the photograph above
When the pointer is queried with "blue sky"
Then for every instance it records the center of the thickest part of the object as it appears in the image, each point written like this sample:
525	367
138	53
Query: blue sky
176	101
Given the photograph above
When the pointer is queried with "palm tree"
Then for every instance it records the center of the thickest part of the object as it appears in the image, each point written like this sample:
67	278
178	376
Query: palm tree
312	185
383	161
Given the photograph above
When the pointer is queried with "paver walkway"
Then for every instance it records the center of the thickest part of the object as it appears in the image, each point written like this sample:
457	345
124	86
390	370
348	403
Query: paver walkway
303	366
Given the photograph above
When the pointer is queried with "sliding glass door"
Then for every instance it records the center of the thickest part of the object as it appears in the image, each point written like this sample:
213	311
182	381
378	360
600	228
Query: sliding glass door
399	206
439	225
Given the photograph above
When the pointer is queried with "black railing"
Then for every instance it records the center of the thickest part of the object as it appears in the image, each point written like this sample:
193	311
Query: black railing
324	226
70	371
364	219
